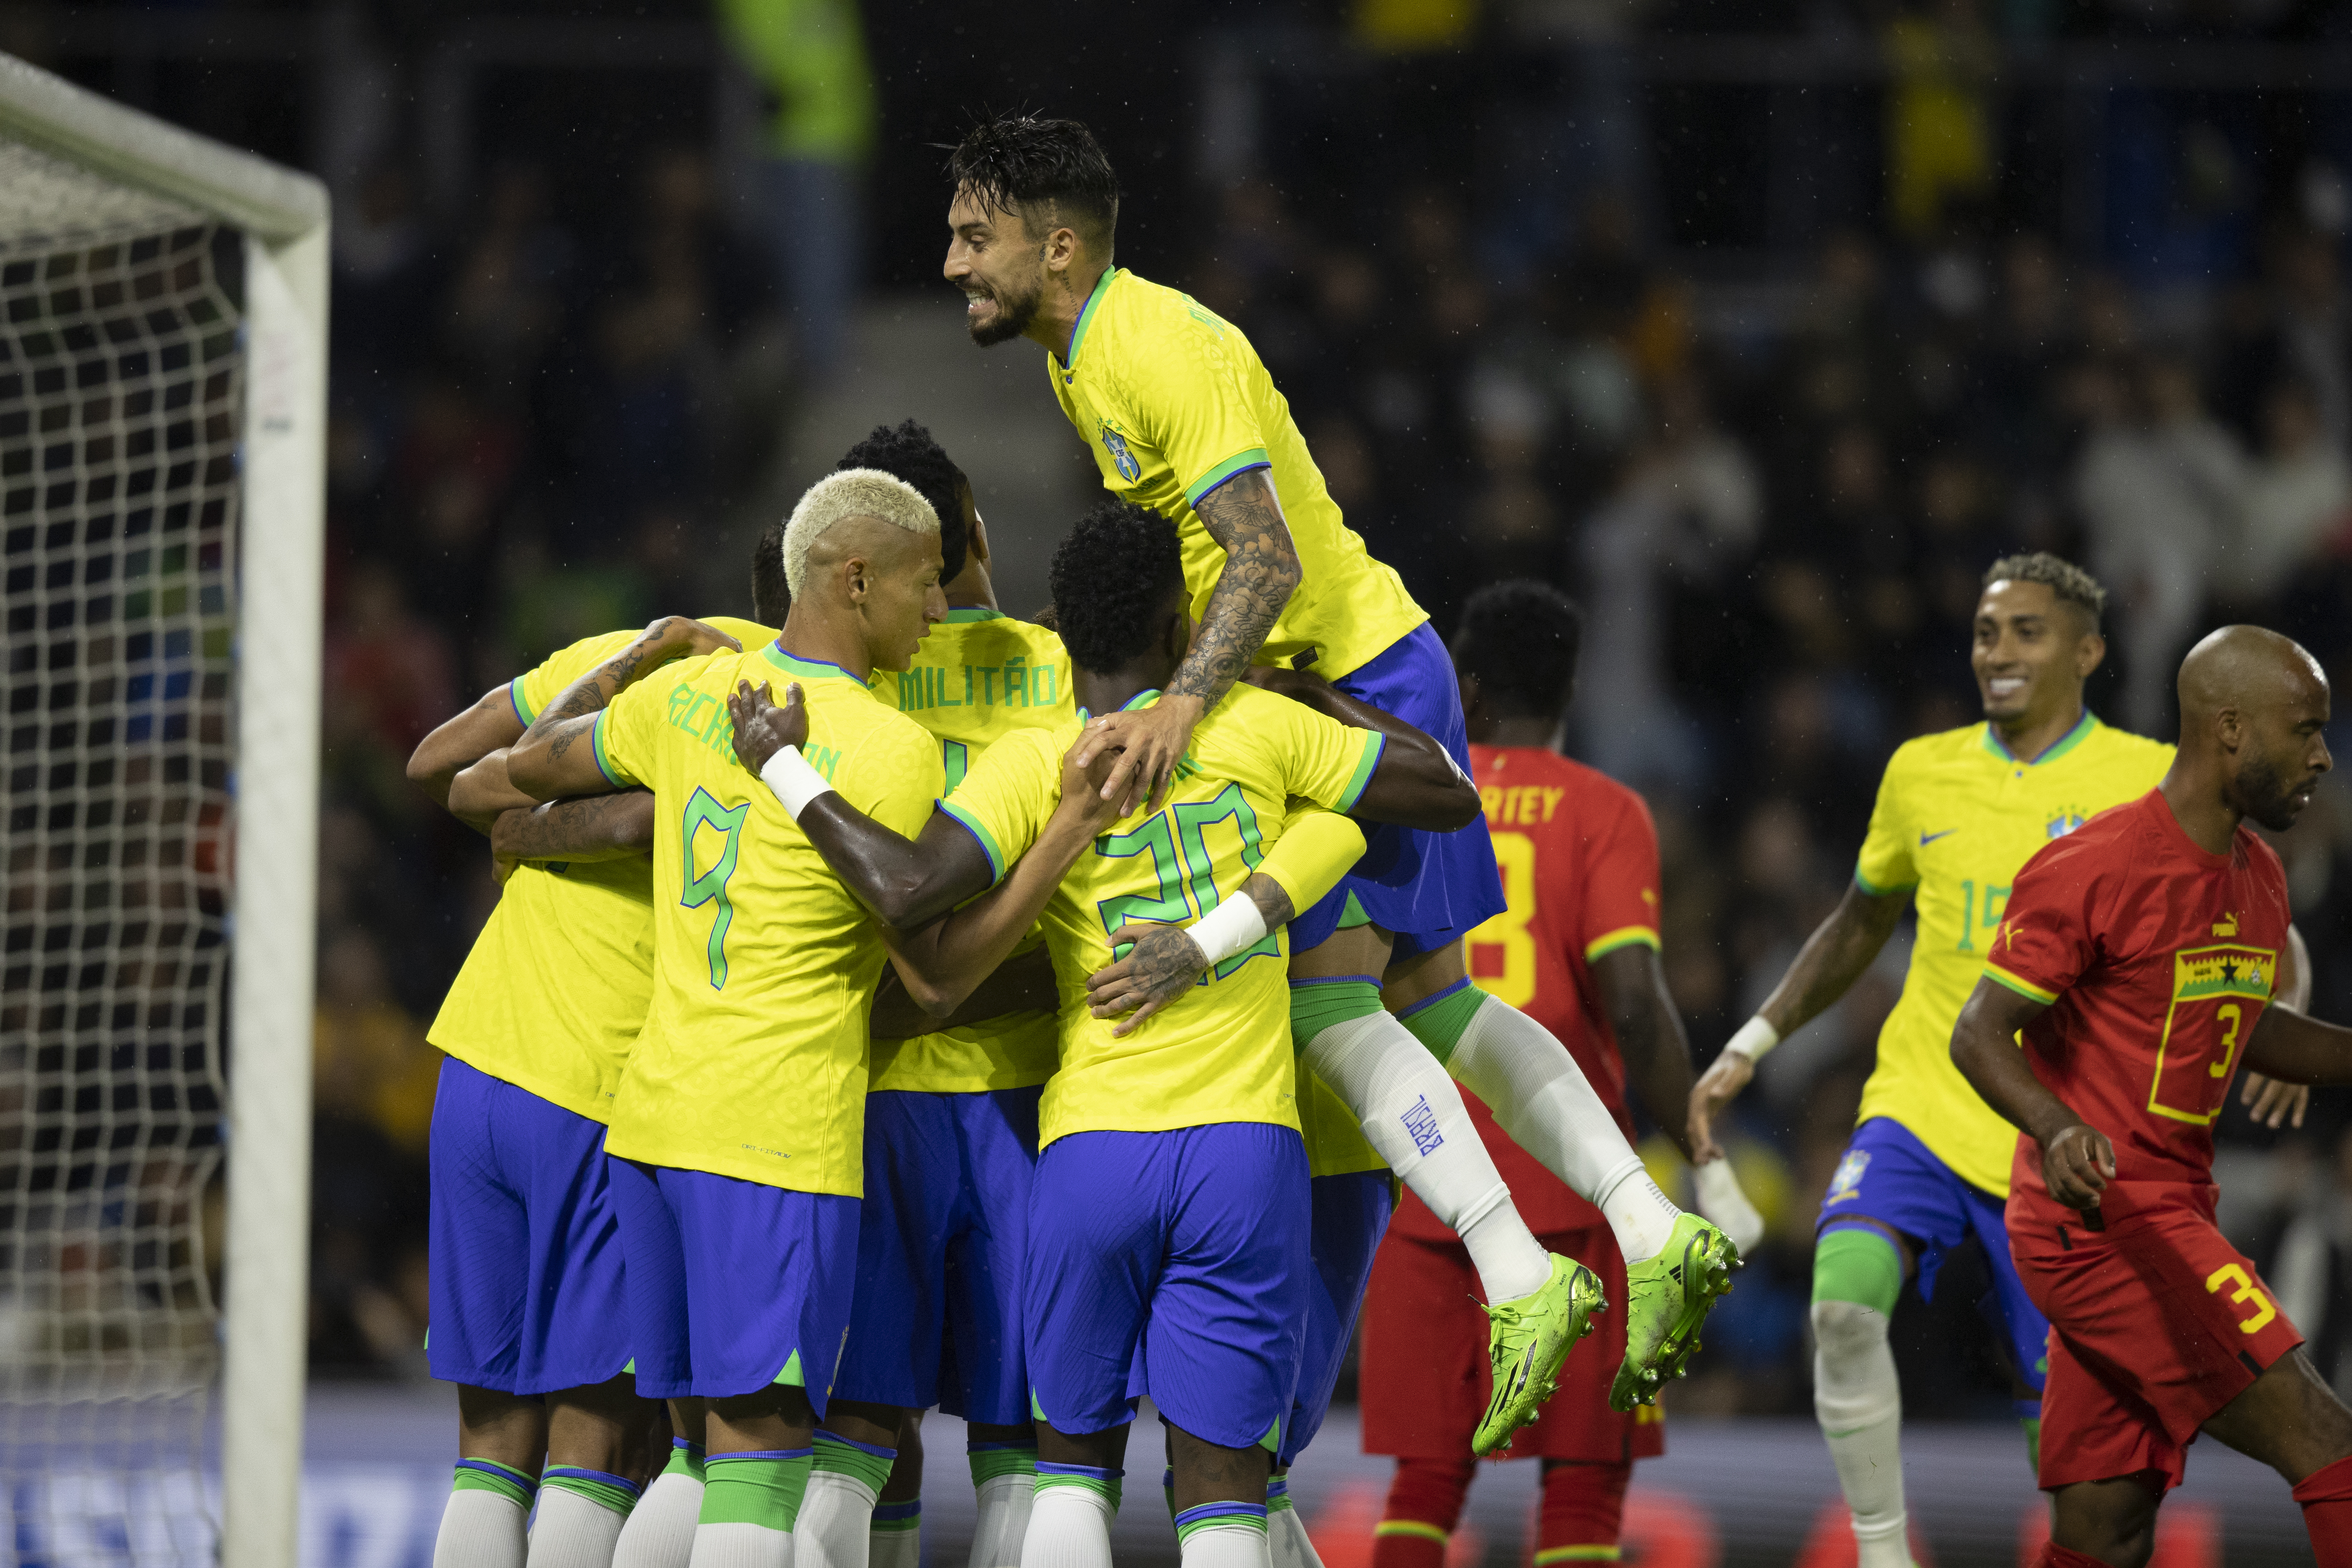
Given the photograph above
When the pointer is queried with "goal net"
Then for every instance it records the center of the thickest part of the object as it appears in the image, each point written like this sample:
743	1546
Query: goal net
156	496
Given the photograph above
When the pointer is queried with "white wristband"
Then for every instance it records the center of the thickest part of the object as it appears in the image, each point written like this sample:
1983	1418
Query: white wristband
795	783
1755	1037
1234	926
1722	1201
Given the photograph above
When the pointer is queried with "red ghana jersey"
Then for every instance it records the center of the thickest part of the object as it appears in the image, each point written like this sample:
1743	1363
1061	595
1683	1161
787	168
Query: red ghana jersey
1579	862
2157	959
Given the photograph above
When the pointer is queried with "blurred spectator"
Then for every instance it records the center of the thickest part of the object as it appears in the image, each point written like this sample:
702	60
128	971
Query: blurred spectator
1939	112
809	57
2160	483
2298	503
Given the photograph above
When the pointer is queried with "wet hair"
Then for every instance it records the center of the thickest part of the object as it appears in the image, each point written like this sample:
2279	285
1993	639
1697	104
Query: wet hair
1112	580
1052	168
771	601
2065	580
852	492
1519	640
909	453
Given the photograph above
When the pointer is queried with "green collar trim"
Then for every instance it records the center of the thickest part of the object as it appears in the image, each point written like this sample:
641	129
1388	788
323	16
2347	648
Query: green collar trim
2049	753
806	668
1143	698
964	613
1087	316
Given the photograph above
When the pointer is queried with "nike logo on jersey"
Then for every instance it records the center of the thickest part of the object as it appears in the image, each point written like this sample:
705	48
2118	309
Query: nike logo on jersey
1927	838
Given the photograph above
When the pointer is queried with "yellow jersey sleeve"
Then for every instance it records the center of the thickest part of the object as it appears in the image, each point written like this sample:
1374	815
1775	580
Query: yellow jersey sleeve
1886	864
1200	416
1317	848
1008	794
624	733
534	689
1317	757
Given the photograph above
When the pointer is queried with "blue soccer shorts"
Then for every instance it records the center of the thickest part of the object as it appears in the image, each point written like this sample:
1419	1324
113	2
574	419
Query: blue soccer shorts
525	1287
1889	1176
1348	1216
1430	889
1190	1246
733	1285
942	1240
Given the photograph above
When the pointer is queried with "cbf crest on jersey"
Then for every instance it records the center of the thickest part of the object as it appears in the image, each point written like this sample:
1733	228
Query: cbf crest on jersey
2068	819
1120	458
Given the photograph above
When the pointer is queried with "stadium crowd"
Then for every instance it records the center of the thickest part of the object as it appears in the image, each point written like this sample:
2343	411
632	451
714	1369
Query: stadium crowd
1775	519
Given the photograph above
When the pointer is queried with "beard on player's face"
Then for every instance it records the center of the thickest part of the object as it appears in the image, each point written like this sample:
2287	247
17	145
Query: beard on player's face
1016	306
2265	793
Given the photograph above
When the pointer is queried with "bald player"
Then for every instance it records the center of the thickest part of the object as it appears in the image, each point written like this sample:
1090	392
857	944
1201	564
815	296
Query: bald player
2138	960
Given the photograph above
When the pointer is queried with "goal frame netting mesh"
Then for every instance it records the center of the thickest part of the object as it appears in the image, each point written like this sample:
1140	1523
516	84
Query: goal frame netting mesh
162	409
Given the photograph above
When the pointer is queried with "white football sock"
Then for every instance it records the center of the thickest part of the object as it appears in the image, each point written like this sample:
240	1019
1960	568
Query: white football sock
895	1538
1412	1116
576	1529
1069	1520
1285	1533
740	1545
659	1531
997	1535
836	1518
480	1529
1860	1404
1539	1097
1235	1541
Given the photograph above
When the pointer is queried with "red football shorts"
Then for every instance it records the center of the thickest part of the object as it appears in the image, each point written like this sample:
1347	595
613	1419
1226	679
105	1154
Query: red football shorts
1425	1379
2155	1323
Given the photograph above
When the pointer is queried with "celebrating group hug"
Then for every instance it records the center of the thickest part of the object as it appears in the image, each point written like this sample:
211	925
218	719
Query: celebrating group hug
894	1003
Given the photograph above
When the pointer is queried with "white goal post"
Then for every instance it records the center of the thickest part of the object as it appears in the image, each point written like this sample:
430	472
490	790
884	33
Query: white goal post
86	182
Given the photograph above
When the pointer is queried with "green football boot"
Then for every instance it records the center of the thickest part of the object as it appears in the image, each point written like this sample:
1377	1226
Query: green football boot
1526	1340
1668	1297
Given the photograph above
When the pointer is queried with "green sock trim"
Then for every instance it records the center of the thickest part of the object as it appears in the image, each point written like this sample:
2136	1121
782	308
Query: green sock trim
490	1476
764	1490
838	1458
1859	1266
1001	1459
1110	1489
608	1493
1318	1004
684	1459
1441	1024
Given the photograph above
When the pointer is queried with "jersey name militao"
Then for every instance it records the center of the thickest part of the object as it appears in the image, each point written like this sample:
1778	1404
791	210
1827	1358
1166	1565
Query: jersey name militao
1956	818
1222	1051
555	989
976	678
752	1063
1173	402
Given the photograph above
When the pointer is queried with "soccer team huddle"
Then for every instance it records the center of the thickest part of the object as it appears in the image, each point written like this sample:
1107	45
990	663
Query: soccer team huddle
894	1003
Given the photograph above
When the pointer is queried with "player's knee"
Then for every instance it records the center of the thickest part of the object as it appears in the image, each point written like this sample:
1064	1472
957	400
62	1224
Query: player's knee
1844	1331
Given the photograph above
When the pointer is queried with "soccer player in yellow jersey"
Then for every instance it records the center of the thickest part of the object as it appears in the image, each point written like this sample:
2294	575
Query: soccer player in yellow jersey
1957	813
1172	1190
525	1280
1181	416
951	1116
736	1129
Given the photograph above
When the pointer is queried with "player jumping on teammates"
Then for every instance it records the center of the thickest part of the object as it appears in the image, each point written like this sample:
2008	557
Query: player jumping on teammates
525	1280
1183	1075
1578	949
2137	958
1181	416
1957	813
736	1139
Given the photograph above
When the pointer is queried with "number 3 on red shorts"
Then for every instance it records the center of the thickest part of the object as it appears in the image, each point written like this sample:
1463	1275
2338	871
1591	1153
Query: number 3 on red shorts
2231	1274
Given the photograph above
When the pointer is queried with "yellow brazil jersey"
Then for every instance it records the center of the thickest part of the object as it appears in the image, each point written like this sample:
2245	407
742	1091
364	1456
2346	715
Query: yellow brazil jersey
1221	1052
1173	402
978	676
752	1063
1957	818
555	990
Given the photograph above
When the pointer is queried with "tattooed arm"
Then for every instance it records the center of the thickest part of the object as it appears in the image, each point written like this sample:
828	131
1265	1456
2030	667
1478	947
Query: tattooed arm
551	761
460	743
1166	960
1243	515
592	827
